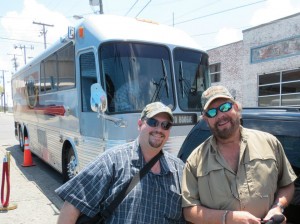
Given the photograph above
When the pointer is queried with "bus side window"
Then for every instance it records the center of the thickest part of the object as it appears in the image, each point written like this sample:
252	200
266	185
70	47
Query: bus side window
51	73
88	76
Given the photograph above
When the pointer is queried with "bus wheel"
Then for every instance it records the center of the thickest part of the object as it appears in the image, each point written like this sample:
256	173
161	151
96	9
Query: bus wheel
21	140
71	165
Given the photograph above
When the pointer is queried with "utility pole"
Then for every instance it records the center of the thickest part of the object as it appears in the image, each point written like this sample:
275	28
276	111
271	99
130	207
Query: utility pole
24	48
101	7
15	64
3	80
96	3
44	31
173	19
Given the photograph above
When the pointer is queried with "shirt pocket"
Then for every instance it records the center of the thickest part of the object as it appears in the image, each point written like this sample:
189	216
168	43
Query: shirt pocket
214	189
262	176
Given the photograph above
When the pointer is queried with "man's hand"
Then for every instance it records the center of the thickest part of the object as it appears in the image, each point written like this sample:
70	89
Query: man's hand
242	217
274	211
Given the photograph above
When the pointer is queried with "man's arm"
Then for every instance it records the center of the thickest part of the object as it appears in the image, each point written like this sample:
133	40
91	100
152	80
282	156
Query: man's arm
68	214
283	197
200	214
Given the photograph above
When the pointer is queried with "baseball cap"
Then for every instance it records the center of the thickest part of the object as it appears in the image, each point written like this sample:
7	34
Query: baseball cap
155	108
214	92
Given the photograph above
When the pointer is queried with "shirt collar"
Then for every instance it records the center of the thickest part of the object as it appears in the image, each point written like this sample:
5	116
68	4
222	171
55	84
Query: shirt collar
138	159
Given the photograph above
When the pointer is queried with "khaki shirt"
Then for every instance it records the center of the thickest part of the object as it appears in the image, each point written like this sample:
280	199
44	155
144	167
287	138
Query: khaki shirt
263	168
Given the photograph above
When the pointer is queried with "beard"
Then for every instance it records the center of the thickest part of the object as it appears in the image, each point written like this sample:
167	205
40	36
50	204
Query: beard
156	142
227	132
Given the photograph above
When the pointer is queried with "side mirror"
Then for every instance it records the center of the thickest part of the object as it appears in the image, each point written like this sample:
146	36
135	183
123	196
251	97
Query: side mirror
98	98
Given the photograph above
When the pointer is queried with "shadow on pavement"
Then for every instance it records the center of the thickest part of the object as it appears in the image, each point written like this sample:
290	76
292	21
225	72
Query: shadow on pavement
46	178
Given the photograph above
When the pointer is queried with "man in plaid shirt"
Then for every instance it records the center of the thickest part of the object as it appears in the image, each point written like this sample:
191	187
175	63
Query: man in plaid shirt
155	199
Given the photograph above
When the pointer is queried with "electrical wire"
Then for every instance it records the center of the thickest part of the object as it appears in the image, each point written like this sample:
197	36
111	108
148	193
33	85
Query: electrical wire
143	9
30	41
131	7
215	13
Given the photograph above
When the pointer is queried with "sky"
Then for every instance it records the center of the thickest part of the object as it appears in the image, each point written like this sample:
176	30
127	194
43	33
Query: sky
212	23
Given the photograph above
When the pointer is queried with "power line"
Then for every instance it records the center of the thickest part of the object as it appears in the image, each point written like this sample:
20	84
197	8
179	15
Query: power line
143	8
215	13
131	7
202	7
214	32
11	39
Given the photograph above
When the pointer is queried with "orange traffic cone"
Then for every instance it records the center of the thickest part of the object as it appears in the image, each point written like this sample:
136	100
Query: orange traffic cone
27	154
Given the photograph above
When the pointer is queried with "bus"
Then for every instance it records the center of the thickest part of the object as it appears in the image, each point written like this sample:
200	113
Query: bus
70	100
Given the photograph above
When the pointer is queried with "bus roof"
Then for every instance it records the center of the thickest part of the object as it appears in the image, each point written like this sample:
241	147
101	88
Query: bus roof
104	28
112	27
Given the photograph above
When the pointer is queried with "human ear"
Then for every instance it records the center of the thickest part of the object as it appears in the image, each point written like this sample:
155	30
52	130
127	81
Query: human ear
140	122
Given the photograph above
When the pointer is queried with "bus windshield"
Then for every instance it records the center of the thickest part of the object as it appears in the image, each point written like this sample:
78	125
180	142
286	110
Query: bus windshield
191	74
136	74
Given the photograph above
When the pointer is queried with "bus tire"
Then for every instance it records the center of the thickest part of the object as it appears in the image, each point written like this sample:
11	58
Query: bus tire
70	168
21	140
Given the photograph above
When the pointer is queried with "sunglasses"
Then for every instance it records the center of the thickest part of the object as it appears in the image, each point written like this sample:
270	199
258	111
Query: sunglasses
165	125
225	107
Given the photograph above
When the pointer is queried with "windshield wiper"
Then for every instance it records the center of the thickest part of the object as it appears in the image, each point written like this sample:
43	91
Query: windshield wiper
163	80
181	78
165	76
185	87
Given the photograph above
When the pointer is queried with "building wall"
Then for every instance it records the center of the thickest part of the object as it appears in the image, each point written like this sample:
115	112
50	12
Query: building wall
238	69
231	58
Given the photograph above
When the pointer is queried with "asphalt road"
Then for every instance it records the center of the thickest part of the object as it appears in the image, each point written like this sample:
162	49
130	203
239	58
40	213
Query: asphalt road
31	188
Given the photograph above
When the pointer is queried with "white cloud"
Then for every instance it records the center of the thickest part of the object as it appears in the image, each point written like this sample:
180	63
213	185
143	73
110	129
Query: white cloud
19	26
274	9
228	35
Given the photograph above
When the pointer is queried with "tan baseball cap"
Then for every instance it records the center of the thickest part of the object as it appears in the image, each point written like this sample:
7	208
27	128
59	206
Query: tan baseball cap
214	92
155	108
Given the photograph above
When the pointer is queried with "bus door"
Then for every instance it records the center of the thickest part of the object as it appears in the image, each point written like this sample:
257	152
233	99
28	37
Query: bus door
90	124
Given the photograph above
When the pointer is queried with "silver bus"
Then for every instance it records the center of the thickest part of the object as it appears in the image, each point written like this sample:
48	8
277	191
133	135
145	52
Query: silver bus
84	94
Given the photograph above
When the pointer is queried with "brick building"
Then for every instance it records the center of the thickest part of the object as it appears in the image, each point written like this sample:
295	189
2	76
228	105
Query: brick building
263	69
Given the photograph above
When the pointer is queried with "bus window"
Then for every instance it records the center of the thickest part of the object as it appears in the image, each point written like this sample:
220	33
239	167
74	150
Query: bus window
66	67
51	73
135	75
191	77
88	76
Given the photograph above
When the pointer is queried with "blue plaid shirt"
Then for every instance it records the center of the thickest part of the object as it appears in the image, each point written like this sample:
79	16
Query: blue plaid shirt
155	199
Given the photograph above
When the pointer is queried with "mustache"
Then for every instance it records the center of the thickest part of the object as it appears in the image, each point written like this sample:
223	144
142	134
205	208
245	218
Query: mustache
157	133
223	120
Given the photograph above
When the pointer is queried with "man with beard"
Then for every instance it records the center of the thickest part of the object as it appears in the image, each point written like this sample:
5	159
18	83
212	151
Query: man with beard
155	199
237	175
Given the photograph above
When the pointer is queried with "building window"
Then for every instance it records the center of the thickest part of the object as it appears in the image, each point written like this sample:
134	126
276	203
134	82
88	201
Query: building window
279	88
215	72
